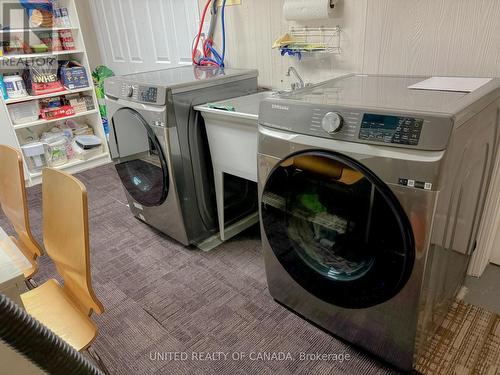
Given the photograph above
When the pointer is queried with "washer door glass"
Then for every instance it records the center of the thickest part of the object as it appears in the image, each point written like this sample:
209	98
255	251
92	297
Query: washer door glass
337	229
142	167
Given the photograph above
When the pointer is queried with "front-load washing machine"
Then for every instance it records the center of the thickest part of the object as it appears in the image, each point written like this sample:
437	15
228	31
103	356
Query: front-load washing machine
371	196
160	148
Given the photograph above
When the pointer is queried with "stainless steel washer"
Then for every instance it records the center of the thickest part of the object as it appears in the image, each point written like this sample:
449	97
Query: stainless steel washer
371	196
160	147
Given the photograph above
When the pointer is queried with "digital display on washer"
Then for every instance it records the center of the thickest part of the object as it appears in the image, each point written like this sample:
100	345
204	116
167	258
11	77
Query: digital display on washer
148	94
391	129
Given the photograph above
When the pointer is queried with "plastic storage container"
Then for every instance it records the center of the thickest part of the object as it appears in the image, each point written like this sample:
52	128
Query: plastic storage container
22	113
57	149
88	142
15	86
35	155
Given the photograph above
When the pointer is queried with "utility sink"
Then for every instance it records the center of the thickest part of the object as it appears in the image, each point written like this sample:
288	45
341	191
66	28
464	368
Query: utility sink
232	130
232	135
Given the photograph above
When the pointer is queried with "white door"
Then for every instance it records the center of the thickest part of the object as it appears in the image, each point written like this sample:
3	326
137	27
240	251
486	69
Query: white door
137	36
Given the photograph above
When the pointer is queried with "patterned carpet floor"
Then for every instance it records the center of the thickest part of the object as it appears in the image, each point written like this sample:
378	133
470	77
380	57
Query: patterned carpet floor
165	302
468	342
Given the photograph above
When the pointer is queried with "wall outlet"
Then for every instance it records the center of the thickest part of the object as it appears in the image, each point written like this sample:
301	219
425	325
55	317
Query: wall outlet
228	2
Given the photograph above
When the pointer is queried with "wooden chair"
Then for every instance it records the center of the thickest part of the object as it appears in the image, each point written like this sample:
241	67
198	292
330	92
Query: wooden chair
66	309
13	202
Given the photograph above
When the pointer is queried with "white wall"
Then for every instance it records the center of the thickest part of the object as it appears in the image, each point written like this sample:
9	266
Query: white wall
253	26
89	33
454	37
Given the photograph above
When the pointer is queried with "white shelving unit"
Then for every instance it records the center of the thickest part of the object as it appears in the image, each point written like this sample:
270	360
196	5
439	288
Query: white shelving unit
10	133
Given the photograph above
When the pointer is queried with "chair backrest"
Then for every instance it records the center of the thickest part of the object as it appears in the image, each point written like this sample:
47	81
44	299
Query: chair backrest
66	236
13	200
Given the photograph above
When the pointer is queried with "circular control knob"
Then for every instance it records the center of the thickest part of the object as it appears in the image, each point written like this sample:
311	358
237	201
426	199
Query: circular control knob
130	91
332	122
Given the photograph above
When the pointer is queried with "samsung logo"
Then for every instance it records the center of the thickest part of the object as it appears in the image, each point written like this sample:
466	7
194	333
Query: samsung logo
280	107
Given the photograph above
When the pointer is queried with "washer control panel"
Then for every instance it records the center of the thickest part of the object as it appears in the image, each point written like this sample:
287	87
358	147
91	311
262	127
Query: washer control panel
395	128
140	93
367	127
391	129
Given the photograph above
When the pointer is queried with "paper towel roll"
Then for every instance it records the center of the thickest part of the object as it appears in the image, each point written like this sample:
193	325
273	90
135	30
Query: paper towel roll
304	10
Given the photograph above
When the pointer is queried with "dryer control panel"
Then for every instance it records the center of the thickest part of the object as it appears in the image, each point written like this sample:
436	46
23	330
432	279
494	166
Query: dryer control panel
120	88
140	93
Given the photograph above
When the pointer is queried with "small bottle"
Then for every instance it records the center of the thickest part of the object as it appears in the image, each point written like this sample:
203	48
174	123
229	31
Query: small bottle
3	89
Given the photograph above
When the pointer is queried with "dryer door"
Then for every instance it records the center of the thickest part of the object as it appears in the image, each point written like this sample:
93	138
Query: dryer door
142	165
337	229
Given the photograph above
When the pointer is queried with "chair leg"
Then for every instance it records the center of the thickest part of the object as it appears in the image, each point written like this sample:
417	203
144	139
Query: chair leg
98	360
30	283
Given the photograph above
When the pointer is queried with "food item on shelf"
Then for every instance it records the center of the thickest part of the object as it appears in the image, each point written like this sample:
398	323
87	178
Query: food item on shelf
51	40
22	113
53	102
13	47
39	12
42	79
57	112
36	155
55	107
81	103
40	48
61	17
68	43
41	18
73	75
15	86
89	102
78	103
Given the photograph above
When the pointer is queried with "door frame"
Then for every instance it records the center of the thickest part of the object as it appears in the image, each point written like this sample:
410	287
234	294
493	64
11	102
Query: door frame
488	247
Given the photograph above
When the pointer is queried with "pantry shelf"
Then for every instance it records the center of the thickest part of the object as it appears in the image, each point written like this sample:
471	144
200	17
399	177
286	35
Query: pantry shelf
29	135
77	165
44	54
43	122
35	97
37	29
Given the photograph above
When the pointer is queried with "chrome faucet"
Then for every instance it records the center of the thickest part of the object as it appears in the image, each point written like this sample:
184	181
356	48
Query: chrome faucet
295	85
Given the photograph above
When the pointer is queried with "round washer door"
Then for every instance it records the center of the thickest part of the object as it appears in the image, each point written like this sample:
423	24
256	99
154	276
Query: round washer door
144	174
337	229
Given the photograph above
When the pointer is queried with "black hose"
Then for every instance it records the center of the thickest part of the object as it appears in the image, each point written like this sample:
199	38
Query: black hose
37	343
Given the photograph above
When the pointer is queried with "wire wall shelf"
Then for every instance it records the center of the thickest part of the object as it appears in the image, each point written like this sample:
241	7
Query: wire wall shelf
300	40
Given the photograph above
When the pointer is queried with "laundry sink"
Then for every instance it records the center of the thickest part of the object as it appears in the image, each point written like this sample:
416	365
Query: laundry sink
232	130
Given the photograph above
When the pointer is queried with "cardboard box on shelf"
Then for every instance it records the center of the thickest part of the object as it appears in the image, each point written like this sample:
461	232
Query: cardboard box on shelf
57	112
73	75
